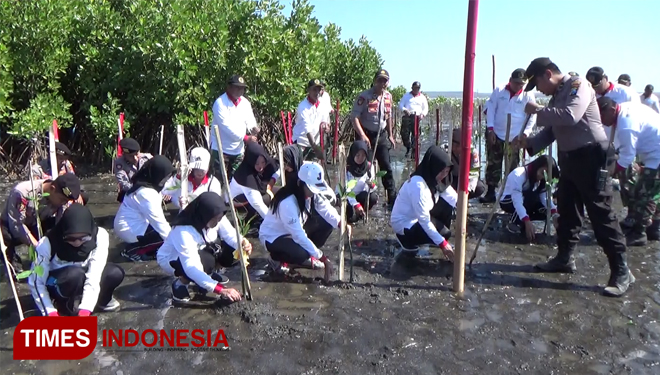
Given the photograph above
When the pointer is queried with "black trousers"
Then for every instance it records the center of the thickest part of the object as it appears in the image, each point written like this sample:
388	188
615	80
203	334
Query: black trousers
249	211
577	190
441	215
479	190
214	254
408	131
383	157
351	214
147	245
66	284
284	249
532	203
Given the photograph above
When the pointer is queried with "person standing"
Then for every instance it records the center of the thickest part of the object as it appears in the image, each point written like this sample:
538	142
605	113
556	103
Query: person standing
326	102
232	114
412	104
311	117
509	98
650	99
624	79
603	87
371	116
637	134
572	119
127	165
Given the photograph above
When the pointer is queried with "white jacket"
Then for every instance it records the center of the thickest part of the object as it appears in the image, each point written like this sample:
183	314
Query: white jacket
637	133
185	242
363	184
173	189
414	204
289	221
651	101
93	267
502	103
415	104
234	121
137	211
516	183
309	117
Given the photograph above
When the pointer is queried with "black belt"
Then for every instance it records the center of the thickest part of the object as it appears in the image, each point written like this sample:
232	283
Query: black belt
582	152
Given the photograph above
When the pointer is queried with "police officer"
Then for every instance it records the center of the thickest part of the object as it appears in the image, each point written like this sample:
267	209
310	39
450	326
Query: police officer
572	119
128	164
372	115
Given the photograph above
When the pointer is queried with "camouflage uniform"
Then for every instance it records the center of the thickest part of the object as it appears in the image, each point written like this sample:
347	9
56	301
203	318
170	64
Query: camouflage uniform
495	158
642	200
231	164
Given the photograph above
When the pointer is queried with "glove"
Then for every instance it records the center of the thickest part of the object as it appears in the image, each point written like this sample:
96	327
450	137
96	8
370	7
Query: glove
84	313
54	313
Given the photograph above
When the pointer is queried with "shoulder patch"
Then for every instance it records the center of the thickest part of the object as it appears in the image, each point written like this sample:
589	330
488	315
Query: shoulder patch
575	85
118	166
360	100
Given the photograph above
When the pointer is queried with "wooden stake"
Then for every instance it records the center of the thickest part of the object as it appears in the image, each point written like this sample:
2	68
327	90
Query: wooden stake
548	195
280	153
247	290
342	230
54	170
3	249
183	166
162	135
493	72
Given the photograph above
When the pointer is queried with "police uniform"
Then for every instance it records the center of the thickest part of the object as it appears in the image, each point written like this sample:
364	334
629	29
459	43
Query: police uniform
572	119
124	171
374	114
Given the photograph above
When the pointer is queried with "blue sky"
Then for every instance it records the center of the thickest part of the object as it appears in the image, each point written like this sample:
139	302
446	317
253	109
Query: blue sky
425	40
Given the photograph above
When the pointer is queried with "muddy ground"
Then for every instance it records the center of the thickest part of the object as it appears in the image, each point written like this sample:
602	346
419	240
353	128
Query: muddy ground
396	318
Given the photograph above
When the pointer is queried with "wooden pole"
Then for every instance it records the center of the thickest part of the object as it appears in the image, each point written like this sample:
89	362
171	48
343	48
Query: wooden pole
54	170
437	126
548	194
183	166
280	153
336	140
466	144
3	248
493	72
162	135
342	230
247	290
207	131
416	141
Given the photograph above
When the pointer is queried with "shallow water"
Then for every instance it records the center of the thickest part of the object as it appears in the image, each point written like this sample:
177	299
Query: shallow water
397	317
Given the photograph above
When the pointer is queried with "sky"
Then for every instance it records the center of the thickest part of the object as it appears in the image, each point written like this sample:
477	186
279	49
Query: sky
425	40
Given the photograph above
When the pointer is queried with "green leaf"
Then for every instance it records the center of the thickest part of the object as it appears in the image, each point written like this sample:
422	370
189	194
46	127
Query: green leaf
351	195
351	184
24	274
32	254
476	169
39	270
381	174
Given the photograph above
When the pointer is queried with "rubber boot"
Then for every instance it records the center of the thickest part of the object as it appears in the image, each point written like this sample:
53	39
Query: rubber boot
490	195
620	276
561	263
636	236
653	231
391	197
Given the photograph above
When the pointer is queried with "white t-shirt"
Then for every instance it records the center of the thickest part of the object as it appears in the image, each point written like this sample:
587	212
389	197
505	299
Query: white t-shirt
516	183
234	121
309	117
185	242
137	211
651	101
502	103
637	133
415	104
173	189
93	267
362	184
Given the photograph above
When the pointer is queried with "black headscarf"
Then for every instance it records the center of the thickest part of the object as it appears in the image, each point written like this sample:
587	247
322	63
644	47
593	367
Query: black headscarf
153	174
76	219
535	165
434	161
201	210
358	170
293	157
247	176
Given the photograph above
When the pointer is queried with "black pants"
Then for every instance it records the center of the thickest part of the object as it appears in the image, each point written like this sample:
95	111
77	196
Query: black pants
351	214
284	249
383	158
249	211
479	190
231	164
146	246
440	217
578	189
221	254
66	284
532	203
408	131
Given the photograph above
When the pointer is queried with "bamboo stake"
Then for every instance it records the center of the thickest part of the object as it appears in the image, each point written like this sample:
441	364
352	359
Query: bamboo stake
162	134
3	248
54	170
493	72
437	126
350	249
506	175
207	131
280	153
548	195
247	291
183	166
342	230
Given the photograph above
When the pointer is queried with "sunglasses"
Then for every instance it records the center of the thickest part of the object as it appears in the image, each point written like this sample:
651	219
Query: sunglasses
85	238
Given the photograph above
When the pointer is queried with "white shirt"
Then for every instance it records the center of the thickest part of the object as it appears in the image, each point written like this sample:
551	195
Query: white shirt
185	242
253	196
289	221
93	267
620	93
516	183
361	184
502	103
651	101
309	117
637	133
414	204
173	189
415	104
137	211
234	121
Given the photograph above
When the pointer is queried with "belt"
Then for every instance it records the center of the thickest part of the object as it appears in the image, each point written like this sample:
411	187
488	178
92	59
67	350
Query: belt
582	152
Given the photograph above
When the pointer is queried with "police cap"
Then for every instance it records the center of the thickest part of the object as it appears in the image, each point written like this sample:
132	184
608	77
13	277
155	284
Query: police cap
624	79
382	73
537	67
130	145
61	149
315	83
595	75
518	76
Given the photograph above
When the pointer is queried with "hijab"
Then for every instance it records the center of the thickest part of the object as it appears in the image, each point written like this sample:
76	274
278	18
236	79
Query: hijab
434	161
535	165
293	157
201	210
153	174
358	170
247	176
76	219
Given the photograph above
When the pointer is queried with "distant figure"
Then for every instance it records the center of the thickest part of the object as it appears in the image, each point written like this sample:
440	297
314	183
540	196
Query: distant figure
476	187
603	87
624	79
41	170
412	104
573	74
650	99
311	116
127	165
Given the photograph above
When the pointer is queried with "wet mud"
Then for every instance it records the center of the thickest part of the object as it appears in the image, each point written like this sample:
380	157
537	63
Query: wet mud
399	316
